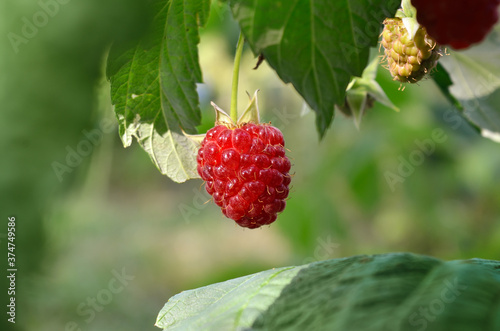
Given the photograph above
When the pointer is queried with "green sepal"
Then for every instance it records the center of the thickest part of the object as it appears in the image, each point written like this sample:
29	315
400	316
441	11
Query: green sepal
411	25
251	113
408	14
372	87
362	91
408	9
357	100
221	117
196	138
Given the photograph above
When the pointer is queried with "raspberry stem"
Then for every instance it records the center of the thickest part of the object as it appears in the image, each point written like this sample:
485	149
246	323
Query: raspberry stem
236	73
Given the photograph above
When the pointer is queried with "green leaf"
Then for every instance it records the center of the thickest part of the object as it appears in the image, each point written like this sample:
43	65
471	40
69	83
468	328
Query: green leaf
225	306
475	77
153	87
398	291
443	81
317	45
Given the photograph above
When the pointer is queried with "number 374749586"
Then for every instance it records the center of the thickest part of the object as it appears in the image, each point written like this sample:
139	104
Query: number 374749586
11	247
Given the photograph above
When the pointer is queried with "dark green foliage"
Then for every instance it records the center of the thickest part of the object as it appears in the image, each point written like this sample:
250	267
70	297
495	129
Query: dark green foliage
315	45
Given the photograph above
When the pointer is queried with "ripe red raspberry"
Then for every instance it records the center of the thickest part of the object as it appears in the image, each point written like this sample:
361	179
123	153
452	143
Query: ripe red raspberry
457	23
246	172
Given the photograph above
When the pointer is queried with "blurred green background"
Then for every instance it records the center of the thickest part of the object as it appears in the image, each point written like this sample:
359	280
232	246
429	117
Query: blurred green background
113	213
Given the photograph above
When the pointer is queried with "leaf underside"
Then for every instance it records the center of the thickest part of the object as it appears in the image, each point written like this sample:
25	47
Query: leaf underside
398	291
474	82
317	45
153	87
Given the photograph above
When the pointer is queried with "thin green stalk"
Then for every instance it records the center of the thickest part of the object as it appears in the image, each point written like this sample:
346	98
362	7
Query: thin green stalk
236	73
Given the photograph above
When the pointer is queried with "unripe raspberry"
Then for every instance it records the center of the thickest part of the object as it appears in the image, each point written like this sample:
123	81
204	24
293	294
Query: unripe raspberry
246	172
409	60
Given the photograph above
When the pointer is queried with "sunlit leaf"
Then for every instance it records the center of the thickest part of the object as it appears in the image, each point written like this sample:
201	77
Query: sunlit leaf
230	305
154	87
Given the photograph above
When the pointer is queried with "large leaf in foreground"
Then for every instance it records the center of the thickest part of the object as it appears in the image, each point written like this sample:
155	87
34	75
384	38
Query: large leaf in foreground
475	74
225	306
317	45
153	87
375	293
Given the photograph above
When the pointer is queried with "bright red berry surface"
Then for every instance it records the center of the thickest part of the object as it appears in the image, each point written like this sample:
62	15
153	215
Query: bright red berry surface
246	172
457	23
